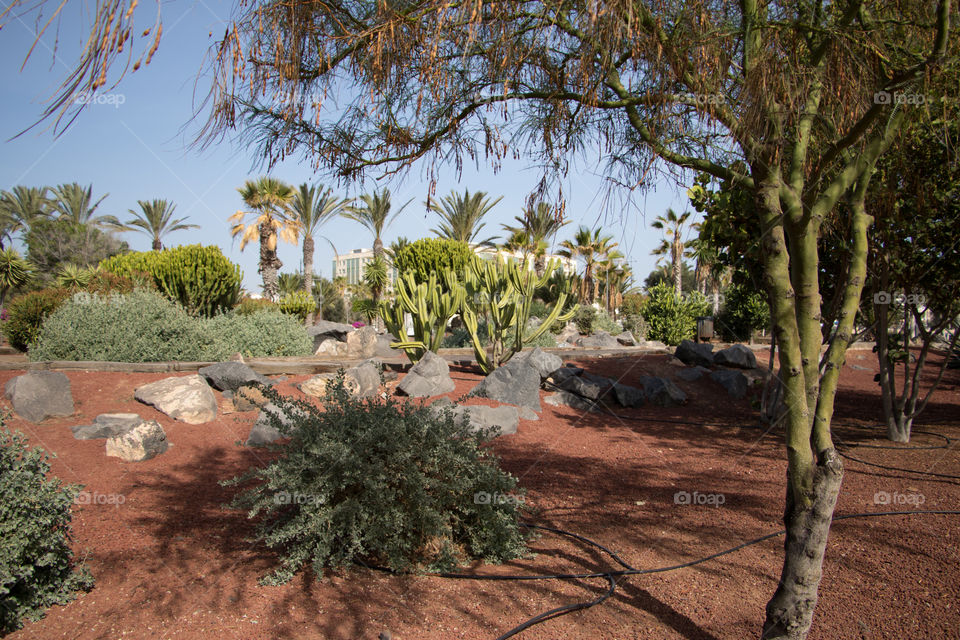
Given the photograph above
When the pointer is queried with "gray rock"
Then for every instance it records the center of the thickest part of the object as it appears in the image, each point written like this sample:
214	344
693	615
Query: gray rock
429	377
557	377
692	373
186	398
264	432
737	356
662	392
628	396
383	348
690	352
526	413
588	389
626	339
567	399
568	334
545	363
325	329
141	442
363	380
230	376
733	381
330	347
513	383
857	367
505	418
362	343
599	340
106	425
652	344
38	395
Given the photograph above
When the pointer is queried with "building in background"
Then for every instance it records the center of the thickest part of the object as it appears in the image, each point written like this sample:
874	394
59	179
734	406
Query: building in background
350	266
569	265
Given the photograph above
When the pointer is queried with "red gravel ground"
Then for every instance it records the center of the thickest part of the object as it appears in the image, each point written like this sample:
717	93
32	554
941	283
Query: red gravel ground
171	563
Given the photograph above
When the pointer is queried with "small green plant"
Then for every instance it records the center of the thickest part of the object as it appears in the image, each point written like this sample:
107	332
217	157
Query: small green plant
672	318
72	276
744	311
636	325
14	272
298	304
384	483
200	278
26	313
37	569
247	306
584	318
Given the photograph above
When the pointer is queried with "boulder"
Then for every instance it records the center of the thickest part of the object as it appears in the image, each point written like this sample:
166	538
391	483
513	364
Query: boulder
323	329
143	441
599	340
330	347
566	399
692	373
585	388
428	377
106	425
186	398
662	392
317	385
505	418
733	381
249	397
557	377
628	396
695	353
568	334
383	348
362	343
513	383
264	431
229	376
545	363
363	380
38	395
737	356
626	339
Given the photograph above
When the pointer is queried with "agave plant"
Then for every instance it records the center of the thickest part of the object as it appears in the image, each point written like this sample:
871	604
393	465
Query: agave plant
14	272
72	276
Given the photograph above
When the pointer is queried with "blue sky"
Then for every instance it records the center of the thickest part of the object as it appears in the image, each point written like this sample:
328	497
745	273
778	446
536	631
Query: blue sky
135	147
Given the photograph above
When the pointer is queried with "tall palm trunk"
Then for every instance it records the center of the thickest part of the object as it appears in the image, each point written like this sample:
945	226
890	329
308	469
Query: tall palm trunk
308	273
540	263
677	270
375	291
157	245
269	263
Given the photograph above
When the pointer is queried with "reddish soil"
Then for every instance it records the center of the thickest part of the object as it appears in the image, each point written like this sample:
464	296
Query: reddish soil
171	563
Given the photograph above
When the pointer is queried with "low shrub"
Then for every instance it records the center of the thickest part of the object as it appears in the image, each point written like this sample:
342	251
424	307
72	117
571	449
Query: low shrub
256	335
26	313
636	325
589	320
672	318
298	304
383	483
246	306
37	569
744	311
142	326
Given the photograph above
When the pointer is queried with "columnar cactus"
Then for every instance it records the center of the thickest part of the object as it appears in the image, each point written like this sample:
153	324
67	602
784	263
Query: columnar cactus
430	305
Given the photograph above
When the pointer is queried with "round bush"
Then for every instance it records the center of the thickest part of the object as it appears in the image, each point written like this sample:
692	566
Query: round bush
26	313
298	304
672	318
142	326
257	335
744	311
397	485
36	562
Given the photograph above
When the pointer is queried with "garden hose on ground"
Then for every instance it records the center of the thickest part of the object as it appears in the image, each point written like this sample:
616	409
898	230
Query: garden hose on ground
628	570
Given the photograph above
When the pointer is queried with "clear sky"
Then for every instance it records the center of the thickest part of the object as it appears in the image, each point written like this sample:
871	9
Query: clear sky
135	146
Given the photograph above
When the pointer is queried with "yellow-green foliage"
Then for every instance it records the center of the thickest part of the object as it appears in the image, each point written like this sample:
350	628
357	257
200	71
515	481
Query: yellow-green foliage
298	303
200	278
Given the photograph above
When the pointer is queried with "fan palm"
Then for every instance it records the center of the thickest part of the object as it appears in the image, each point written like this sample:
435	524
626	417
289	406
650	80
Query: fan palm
20	207
75	203
672	244
592	248
374	214
540	224
155	219
313	207
461	216
269	202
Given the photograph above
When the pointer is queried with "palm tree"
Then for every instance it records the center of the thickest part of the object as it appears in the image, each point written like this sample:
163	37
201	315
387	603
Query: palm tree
155	219
269	201
75	203
20	207
540	224
592	248
672	244
313	207
375	215
461	215
519	241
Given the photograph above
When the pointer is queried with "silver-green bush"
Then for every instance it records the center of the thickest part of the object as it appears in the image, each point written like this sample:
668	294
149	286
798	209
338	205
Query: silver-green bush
257	335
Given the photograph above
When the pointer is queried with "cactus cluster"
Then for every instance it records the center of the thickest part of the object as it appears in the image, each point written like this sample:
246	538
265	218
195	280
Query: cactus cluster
499	291
200	278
